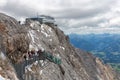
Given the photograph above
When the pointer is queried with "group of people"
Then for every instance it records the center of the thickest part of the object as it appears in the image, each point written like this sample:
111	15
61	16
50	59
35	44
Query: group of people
41	55
33	53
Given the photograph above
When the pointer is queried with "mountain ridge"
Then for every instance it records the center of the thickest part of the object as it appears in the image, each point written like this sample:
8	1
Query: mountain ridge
104	46
76	64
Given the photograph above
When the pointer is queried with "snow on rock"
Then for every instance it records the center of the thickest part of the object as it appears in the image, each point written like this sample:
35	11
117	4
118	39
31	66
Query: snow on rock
50	40
41	71
31	47
58	56
38	30
46	30
36	62
40	47
62	47
50	29
41	62
37	22
28	67
32	24
2	56
42	27
47	35
32	35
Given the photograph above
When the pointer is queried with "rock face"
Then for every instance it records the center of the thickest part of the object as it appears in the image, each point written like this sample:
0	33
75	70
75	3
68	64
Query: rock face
16	40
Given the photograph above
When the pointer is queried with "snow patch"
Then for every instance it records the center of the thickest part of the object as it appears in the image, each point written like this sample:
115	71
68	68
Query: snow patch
32	35
41	62
42	27
36	62
31	47
38	30
32	24
2	56
58	56
36	49
50	29
62	47
40	47
37	22
41	71
45	34
50	39
28	67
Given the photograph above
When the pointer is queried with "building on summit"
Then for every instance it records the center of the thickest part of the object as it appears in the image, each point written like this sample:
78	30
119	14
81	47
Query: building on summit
43	19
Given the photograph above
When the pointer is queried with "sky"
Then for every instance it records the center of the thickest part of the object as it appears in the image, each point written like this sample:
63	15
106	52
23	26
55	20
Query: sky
72	16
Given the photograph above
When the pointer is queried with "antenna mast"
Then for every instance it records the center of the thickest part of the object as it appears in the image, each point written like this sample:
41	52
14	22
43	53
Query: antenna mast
37	14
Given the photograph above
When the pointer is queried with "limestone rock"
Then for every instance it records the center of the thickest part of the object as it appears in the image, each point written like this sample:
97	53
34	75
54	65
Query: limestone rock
17	39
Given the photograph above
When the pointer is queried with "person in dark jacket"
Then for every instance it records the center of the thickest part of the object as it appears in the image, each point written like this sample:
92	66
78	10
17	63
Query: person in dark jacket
41	54
25	57
29	54
32	52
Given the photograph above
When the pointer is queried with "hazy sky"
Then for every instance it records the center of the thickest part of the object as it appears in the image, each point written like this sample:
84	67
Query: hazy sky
72	16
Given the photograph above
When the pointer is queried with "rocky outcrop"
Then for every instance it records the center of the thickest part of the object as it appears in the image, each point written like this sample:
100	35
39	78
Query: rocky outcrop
16	40
6	68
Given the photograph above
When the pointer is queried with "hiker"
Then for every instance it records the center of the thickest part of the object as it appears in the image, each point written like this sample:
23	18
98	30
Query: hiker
41	54
33	52
24	57
30	55
34	56
39	51
27	56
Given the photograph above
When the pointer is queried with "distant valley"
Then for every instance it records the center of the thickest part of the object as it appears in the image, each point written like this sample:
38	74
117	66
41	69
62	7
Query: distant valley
104	46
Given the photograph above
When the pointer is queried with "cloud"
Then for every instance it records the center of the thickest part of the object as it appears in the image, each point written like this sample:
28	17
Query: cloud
60	9
2	3
96	30
72	16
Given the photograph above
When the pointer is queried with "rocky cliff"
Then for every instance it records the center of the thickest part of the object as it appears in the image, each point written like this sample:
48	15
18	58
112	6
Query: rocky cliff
16	40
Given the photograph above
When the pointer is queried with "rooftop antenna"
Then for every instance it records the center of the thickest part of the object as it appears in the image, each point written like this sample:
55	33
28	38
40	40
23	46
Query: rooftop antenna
37	14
